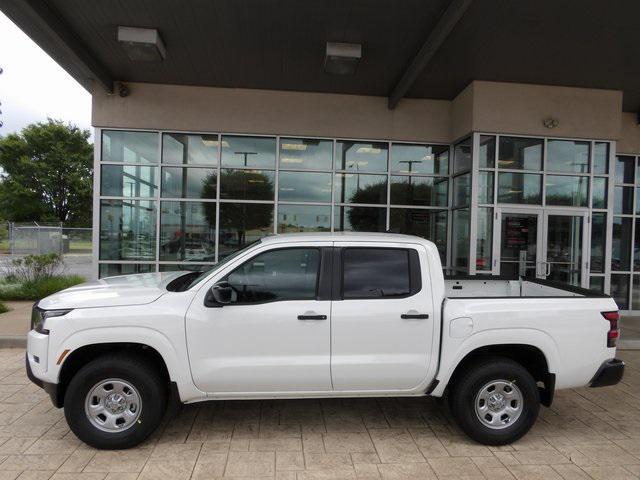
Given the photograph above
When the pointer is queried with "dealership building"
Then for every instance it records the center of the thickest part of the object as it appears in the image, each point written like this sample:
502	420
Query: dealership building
505	132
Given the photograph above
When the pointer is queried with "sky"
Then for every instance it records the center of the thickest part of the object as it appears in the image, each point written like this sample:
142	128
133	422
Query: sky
34	87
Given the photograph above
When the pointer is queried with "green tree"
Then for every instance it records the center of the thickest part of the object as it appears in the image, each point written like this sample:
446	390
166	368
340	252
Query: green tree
48	170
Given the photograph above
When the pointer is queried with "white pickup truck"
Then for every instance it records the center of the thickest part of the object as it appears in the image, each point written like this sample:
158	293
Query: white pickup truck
318	315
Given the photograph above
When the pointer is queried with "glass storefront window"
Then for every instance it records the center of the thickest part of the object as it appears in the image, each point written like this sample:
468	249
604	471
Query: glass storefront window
620	290
241	224
423	191
304	187
247	184
520	153
428	159
361	156
178	182
129	147
484	242
519	188
305	154
462	156
621	247
429	224
127	230
460	239
360	219
181	148
635	294
255	152
188	231
596	284
462	190
487	153
485	187
568	156
128	181
601	157
625	169
185	267
304	218
598	239
117	269
599	195
623	200
566	190
360	188
636	246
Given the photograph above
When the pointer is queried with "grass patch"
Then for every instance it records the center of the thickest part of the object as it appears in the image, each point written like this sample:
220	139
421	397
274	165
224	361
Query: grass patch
3	308
37	289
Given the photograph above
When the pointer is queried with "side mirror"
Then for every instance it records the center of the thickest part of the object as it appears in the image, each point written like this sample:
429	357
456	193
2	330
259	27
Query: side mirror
223	293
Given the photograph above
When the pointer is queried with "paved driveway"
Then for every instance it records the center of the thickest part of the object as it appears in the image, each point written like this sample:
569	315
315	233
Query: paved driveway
588	433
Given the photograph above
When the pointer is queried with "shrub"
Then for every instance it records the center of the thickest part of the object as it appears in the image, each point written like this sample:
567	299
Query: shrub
37	289
3	308
31	268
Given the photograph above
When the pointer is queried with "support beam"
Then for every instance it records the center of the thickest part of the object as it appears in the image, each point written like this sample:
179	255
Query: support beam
436	38
45	27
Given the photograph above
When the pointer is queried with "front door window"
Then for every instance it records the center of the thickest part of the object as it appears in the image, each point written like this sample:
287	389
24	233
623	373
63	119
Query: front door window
519	244
564	248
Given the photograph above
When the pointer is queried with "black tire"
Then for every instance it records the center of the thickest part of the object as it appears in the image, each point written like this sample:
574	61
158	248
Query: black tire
468	385
136	371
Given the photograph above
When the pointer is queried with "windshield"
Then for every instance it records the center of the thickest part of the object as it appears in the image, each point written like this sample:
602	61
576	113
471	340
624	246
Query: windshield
220	264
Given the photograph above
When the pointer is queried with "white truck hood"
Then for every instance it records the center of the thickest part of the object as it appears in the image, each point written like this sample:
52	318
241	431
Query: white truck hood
112	291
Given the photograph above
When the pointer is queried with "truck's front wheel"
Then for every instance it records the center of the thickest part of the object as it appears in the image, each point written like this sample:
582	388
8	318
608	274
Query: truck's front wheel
496	401
115	402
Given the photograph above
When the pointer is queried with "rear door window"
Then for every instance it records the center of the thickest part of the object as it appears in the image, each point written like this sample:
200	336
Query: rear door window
378	273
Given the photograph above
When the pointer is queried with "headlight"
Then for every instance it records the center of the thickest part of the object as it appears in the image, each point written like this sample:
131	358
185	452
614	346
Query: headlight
38	316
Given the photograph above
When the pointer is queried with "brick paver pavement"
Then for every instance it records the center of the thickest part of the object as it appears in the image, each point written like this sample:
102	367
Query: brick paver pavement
588	433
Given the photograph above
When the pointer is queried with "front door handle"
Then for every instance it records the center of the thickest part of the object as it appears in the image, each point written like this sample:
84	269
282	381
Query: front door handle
312	317
415	316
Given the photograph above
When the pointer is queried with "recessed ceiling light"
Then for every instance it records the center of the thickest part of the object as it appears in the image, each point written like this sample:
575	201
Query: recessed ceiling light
142	44
342	58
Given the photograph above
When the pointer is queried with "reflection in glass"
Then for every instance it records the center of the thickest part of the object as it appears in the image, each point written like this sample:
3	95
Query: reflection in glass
564	248
596	284
518	244
304	218
623	200
598	239
304	187
566	190
188	231
129	147
601	157
487	152
636	246
620	290
635	295
621	247
178	182
185	267
484	242
462	190
258	152
127	230
485	187
462	156
461	239
190	149
425	191
624	169
307	154
519	188
116	269
360	188
247	184
429	159
243	223
361	156
520	153
128	181
567	156
599	195
429	224
360	219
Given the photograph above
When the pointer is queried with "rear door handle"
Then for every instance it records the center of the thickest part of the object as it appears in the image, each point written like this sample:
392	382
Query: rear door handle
414	316
312	317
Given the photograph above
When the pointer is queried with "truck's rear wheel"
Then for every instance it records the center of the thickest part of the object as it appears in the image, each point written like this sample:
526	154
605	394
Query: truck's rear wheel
115	402
496	401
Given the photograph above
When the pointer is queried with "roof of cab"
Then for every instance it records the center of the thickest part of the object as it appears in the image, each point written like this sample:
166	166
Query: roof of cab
345	237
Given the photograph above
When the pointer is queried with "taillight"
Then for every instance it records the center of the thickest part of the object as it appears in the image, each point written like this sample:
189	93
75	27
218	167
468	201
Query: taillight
614	332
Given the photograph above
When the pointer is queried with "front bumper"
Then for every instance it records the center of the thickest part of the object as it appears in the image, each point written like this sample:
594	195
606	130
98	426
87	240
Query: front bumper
52	389
609	373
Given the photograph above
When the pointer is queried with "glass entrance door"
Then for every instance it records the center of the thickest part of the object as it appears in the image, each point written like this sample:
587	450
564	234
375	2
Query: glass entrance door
520	242
565	244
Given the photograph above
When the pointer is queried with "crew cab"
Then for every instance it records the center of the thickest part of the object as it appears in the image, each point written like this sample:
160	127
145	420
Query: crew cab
318	315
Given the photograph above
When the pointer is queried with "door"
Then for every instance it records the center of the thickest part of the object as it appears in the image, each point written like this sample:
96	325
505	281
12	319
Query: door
520	242
565	247
274	335
382	324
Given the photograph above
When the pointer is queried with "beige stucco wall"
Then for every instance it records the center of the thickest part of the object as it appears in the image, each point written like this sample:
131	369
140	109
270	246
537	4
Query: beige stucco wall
629	141
172	107
462	113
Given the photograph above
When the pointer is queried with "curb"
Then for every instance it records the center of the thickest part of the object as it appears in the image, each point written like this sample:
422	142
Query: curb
13	341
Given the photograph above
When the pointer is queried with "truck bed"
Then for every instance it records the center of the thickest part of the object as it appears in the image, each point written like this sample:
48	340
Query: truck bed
502	287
